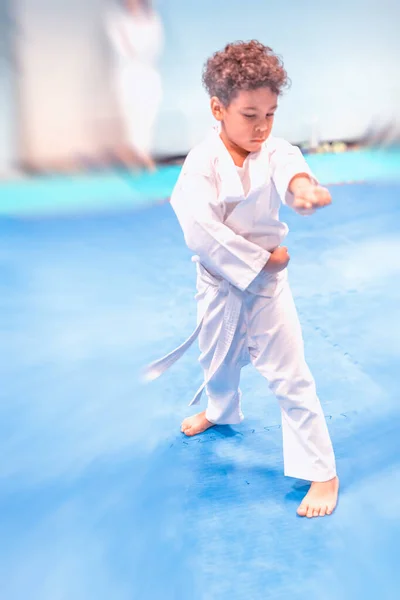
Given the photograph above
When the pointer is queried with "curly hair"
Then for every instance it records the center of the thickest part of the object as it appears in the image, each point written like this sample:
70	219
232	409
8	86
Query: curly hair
243	66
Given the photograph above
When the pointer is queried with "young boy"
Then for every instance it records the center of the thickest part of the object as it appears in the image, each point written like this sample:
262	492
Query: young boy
227	202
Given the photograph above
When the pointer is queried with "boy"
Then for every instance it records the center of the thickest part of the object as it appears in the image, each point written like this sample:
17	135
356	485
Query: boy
227	202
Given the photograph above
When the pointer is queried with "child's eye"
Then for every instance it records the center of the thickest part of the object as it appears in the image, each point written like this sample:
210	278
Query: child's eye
249	116
270	115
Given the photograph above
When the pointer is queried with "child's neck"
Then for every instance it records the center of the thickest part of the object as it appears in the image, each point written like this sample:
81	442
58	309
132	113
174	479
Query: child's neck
238	154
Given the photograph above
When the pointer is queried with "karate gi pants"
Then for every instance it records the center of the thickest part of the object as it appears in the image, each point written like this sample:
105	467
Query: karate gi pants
269	336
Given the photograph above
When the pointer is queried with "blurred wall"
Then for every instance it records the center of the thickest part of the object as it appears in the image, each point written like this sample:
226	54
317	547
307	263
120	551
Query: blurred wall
8	112
342	58
66	109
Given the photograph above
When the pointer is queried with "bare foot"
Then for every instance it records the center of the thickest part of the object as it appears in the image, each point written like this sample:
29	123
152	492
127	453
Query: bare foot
196	424
320	499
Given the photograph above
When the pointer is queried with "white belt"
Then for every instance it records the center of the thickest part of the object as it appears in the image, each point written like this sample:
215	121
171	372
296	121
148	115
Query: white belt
233	305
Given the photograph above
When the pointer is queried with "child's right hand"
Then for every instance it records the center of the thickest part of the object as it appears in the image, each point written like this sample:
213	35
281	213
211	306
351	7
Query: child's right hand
278	260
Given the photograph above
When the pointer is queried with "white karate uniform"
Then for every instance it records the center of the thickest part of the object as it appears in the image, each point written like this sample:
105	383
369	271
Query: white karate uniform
230	219
137	41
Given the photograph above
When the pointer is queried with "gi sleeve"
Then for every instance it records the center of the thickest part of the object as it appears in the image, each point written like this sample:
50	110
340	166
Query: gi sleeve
286	162
220	249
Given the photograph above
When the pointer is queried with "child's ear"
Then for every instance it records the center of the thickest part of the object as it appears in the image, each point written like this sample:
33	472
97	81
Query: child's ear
217	108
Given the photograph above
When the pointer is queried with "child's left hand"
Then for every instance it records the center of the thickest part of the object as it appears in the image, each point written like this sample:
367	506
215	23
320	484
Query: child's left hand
308	196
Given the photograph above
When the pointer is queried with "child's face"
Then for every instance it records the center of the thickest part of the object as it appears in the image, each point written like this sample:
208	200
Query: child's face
248	120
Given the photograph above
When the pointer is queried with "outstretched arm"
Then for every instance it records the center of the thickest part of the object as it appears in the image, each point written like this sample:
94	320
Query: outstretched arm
294	180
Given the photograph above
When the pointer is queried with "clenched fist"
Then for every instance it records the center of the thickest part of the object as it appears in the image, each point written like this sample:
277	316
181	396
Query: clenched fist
307	196
278	260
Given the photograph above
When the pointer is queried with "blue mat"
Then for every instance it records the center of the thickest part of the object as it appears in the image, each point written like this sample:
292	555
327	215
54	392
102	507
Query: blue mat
115	191
102	498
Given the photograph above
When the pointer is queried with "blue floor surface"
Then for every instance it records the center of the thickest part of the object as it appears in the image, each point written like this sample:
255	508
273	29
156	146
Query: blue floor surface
116	191
102	498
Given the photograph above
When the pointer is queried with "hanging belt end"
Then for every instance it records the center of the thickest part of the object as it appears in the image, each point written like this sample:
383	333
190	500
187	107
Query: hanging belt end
149	374
197	396
194	402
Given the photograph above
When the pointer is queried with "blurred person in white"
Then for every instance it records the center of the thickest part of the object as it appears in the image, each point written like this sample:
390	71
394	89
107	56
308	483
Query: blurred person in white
136	34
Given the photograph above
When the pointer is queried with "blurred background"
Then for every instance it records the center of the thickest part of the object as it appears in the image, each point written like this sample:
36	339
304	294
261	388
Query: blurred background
62	63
